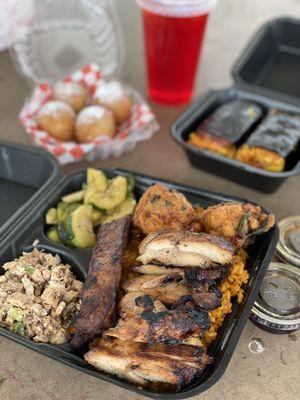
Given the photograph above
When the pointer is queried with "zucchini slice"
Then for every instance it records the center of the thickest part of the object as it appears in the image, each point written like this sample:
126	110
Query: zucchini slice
130	184
97	216
125	208
96	182
113	196
51	216
61	232
52	234
96	179
61	209
79	227
74	197
65	211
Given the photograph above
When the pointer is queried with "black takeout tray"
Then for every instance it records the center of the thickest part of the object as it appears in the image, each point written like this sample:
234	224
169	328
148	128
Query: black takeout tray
267	74
269	65
32	227
25	175
244	174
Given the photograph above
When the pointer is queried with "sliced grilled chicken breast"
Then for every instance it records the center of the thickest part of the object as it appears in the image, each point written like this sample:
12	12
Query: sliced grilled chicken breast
185	249
142	364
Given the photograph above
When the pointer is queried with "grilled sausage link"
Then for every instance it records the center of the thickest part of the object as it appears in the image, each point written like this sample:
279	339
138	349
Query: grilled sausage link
99	292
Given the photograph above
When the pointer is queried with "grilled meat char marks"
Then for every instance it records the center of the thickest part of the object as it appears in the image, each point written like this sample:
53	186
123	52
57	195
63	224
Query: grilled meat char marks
172	366
205	295
185	249
205	298
100	289
201	262
169	326
200	275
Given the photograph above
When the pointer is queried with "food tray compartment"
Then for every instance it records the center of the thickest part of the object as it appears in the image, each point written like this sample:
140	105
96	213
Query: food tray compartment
222	349
270	63
244	174
25	176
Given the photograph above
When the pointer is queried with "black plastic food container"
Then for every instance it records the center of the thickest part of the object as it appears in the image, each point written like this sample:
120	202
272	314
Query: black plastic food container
267	73
32	227
25	175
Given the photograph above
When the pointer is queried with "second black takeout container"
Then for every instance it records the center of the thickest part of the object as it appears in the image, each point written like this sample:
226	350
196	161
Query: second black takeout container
266	73
25	176
30	225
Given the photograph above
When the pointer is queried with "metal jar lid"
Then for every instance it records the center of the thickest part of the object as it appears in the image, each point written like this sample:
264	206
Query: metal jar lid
288	247
277	307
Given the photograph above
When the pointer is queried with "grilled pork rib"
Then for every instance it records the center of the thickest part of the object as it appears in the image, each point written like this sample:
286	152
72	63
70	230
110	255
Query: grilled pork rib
185	249
100	289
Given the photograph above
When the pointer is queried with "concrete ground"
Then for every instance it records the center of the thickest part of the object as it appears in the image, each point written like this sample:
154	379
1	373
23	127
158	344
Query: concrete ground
271	375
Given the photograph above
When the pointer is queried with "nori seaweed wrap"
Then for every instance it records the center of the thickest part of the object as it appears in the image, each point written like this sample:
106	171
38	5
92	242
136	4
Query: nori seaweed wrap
231	120
226	126
272	142
279	132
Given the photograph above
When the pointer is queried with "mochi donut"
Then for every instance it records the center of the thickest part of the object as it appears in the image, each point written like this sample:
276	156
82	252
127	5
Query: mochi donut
94	121
58	119
73	93
112	96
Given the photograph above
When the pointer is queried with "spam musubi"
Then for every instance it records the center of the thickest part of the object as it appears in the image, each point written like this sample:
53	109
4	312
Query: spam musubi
225	127
272	143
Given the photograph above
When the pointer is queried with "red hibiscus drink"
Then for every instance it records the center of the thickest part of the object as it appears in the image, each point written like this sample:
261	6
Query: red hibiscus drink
173	32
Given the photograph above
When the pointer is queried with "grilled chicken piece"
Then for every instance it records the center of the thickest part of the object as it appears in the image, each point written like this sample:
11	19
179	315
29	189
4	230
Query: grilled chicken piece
236	222
137	302
152	281
160	208
150	269
100	289
187	249
204	295
144	365
207	299
167	294
216	274
170	326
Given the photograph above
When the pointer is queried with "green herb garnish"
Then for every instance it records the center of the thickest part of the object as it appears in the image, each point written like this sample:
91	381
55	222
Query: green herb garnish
155	198
19	328
14	312
29	269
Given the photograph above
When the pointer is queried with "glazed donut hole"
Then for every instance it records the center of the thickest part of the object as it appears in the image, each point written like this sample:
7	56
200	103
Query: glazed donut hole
112	95
58	119
94	121
73	93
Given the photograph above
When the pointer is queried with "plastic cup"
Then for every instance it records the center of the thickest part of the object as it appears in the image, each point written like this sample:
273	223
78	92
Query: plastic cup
173	34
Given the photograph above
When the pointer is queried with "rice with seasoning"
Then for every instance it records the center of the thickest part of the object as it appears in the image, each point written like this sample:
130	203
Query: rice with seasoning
231	287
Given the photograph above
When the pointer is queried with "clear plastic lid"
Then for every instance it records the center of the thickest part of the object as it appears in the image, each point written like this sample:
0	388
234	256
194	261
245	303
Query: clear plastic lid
178	8
60	39
288	247
278	303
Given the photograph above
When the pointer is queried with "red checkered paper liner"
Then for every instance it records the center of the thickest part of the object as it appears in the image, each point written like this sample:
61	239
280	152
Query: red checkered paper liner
140	126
